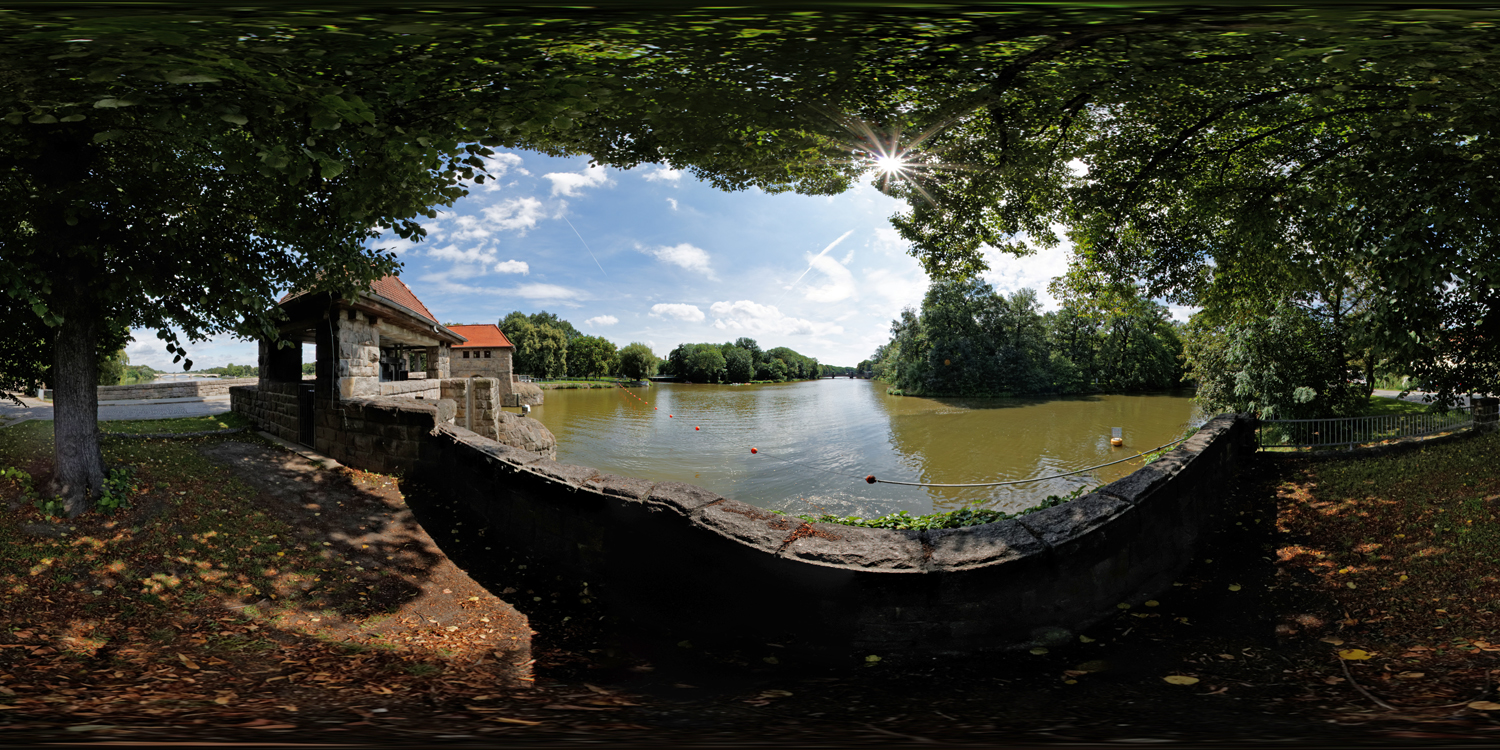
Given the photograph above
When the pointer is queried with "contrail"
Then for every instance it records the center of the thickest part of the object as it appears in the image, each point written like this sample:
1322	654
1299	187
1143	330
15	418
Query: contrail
591	252
831	246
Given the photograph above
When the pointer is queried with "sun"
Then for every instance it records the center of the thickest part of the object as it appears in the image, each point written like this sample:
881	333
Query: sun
891	165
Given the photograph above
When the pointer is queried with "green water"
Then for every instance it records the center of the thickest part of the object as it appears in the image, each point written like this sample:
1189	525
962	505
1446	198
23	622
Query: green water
817	440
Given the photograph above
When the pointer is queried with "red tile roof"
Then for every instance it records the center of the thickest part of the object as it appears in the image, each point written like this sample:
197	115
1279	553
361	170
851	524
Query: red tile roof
488	334
395	290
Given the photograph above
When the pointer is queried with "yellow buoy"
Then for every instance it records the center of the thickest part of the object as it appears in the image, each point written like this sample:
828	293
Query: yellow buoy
1116	438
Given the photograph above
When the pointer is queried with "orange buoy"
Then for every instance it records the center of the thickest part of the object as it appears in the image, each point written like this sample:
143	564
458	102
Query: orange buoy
870	479
752	450
697	428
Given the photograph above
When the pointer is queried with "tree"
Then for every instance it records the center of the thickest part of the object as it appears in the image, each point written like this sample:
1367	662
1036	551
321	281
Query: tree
739	364
112	367
637	361
541	350
589	356
1275	365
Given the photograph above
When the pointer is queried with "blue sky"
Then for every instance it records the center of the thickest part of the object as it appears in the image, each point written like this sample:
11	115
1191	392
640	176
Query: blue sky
653	255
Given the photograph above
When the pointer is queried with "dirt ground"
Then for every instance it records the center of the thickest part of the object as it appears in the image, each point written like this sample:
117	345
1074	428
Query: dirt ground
1242	650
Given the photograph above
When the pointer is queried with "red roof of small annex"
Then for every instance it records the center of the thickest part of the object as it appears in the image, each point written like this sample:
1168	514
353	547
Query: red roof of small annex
395	290
488	334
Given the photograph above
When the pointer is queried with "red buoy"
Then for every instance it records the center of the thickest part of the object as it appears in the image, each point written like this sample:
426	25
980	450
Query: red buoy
870	479
752	450
697	428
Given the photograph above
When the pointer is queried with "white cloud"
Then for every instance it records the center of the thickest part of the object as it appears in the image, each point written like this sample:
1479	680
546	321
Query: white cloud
394	244
513	266
469	228
745	315
840	284
1009	273
497	166
569	183
514	214
673	203
685	255
546	291
601	320
444	282
663	174
689	313
888	240
476	255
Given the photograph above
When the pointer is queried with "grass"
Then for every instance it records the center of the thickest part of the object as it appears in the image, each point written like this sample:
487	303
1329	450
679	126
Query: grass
1410	542
223	421
1383	405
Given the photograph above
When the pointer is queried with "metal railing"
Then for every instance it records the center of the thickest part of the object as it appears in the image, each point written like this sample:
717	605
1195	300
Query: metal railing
1351	432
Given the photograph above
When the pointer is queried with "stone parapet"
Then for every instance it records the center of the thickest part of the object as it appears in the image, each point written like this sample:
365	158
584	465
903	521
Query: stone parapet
754	574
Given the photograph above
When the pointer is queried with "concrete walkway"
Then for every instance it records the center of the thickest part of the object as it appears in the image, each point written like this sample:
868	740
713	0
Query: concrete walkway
164	408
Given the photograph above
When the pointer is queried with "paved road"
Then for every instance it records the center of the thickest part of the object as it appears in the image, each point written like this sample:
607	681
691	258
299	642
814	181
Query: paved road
165	408
1415	396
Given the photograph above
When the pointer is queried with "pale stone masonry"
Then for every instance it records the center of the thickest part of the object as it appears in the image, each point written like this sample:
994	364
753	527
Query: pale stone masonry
378	351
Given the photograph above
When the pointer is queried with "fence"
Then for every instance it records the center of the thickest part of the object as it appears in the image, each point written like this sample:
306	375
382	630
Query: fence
1349	432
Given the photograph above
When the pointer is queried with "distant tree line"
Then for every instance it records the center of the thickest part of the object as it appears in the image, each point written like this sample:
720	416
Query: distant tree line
968	340
739	361
549	347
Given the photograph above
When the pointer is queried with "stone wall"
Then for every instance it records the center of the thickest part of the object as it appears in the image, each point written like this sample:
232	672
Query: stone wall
418	388
496	366
523	393
678	562
384	435
270	405
490	421
185	389
682	562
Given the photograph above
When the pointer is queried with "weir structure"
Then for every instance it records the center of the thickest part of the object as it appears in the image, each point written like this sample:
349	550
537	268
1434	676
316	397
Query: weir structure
679	562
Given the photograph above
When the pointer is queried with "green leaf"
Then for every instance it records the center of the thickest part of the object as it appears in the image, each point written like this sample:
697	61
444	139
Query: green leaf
235	119
107	135
330	169
73	118
42	119
113	103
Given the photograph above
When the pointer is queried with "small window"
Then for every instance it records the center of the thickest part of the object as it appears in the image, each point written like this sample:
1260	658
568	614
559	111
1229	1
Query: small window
486	353
466	355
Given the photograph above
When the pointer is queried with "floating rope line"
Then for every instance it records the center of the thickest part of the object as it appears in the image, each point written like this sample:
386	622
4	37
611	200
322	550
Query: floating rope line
872	480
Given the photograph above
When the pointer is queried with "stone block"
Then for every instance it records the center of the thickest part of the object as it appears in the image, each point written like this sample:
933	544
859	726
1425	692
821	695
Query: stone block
853	546
746	523
980	546
681	496
1059	526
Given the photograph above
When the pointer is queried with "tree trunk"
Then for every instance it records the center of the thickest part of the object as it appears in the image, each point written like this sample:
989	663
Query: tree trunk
78	473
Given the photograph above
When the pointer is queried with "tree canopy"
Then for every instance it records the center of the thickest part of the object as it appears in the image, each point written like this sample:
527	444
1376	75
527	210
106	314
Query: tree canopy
178	172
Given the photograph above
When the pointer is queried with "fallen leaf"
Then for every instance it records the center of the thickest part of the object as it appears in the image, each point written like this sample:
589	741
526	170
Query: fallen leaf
1331	640
1234	587
1354	654
1411	675
508	720
1085	639
1485	706
572	707
1180	679
1038	650
189	663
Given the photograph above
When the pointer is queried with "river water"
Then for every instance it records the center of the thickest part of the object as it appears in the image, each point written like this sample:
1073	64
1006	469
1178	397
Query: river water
817	440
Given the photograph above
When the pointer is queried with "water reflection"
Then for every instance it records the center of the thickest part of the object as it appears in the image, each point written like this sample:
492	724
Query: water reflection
817	440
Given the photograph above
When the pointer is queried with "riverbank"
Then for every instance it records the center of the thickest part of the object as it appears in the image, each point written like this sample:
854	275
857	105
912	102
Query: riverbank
121	630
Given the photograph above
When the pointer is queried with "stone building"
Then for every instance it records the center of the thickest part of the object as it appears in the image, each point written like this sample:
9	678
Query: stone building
385	342
375	355
486	354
